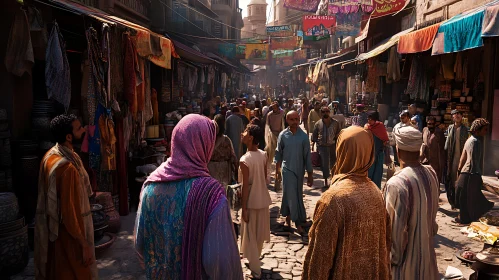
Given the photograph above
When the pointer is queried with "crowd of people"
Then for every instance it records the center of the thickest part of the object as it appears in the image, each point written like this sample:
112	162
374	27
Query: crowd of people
184	227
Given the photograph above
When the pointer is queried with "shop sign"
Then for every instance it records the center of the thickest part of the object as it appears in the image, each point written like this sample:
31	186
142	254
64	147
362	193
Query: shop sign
318	27
227	49
349	24
282	53
302	5
288	43
279	31
253	52
387	7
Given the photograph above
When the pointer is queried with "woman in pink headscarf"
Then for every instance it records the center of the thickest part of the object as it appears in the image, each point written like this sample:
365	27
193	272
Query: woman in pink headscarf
183	228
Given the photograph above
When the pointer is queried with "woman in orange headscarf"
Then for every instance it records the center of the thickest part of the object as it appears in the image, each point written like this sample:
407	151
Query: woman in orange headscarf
351	225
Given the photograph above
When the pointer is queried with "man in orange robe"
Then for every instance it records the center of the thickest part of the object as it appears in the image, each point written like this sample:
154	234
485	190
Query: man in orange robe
64	233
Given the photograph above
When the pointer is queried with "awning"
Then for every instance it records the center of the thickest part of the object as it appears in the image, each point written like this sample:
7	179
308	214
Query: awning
383	46
462	32
352	53
191	54
419	40
161	58
220	60
379	49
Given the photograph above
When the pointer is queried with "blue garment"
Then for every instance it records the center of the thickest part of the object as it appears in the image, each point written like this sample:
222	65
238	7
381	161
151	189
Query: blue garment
293	150
376	170
419	121
463	32
158	234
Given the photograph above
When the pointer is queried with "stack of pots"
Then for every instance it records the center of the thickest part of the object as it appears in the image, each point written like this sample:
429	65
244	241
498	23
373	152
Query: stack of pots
99	220
42	114
106	200
13	236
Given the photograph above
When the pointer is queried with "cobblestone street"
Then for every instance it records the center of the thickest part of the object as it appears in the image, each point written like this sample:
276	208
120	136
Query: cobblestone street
282	257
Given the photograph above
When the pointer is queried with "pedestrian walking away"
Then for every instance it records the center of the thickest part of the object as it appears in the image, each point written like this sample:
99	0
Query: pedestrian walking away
183	228
411	198
351	206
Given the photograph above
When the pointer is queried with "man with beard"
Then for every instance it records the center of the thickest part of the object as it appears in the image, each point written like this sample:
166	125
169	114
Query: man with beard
64	233
292	157
457	134
432	150
325	133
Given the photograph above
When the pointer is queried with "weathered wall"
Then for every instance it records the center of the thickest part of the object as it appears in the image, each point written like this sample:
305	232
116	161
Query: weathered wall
429	10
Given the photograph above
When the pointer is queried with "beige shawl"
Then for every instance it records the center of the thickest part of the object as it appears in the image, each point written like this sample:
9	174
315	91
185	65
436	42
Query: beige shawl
48	216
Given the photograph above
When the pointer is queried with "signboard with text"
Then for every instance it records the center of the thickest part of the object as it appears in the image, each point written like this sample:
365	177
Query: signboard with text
318	27
287	43
387	7
279	31
253	52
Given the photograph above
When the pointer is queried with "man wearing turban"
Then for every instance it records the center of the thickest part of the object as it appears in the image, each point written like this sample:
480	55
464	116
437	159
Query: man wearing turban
411	198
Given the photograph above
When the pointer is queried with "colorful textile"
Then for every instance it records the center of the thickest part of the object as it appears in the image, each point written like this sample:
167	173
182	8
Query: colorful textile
393	66
183	203
293	150
418	86
57	74
129	75
490	25
463	32
189	159
107	143
418	41
411	198
19	56
378	130
302	5
351	205
205	195
63	192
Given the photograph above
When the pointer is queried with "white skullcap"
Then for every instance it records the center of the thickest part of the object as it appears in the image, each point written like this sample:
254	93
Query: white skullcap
407	137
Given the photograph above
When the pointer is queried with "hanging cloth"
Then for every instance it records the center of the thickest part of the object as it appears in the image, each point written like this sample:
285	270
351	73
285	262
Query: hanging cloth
129	81
19	57
393	66
57	75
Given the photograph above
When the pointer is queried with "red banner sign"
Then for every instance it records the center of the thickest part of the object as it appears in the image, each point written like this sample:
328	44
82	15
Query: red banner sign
318	26
386	7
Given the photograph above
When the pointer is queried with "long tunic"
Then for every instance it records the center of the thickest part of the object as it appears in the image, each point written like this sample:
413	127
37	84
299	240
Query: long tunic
234	126
158	234
64	258
293	150
433	150
350	236
411	198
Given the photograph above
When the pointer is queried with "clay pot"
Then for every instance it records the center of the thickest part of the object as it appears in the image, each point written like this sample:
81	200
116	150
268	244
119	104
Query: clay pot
106	200
15	251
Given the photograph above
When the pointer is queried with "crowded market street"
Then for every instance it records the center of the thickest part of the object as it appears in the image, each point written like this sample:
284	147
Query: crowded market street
282	257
